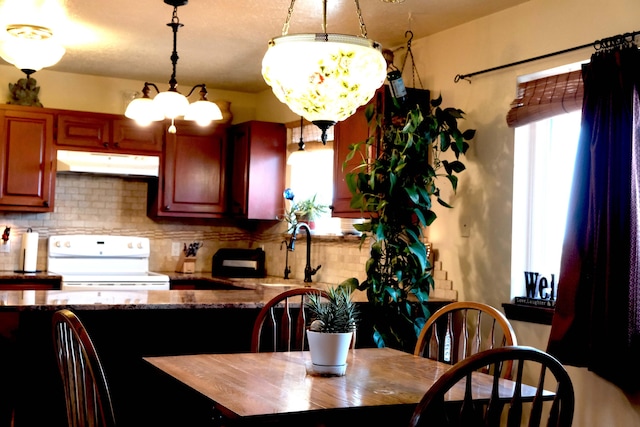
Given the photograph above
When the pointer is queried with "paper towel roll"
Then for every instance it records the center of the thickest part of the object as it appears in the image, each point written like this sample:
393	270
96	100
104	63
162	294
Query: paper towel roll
29	251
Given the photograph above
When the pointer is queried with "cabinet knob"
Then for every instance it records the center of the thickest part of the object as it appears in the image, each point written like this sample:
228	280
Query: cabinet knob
45	203
105	144
167	208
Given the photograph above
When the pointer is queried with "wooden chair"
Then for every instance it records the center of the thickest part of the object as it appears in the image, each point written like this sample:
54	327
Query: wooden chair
501	410
281	324
463	328
85	386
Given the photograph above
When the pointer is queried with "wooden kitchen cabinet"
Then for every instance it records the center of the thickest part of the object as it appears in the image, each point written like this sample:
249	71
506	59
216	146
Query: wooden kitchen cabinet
347	132
27	170
356	129
107	133
257	175
191	182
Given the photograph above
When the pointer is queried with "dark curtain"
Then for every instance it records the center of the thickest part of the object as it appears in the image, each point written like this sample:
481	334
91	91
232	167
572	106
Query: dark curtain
597	317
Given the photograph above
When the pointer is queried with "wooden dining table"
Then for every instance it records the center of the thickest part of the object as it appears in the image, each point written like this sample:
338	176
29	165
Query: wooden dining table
253	388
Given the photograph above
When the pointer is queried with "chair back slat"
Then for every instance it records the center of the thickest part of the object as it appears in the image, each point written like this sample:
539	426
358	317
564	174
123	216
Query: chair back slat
287	329
536	408
477	342
461	329
515	406
495	406
87	396
433	405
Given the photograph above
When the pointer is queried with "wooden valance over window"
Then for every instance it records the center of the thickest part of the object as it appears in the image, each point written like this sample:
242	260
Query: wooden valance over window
546	97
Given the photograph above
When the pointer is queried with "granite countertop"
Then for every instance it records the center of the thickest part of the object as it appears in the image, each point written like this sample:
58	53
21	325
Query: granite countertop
250	293
21	277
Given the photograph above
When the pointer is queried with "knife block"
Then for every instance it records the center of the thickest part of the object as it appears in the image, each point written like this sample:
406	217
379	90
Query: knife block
186	265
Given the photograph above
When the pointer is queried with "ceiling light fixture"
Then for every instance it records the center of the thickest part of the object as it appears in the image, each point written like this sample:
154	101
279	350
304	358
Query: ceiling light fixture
324	77
171	103
30	47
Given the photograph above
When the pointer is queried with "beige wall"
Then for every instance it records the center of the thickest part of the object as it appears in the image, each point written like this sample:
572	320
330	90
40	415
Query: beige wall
111	95
480	264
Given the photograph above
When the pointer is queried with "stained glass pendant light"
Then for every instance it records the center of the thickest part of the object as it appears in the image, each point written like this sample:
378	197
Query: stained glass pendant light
171	104
324	77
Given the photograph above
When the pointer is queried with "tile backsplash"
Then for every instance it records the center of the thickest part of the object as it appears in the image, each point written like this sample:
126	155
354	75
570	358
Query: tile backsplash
93	204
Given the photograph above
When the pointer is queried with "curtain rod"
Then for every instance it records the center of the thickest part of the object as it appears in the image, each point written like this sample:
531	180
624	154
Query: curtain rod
597	45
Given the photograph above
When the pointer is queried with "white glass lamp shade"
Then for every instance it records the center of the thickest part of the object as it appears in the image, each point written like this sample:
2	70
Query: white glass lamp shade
30	53
171	104
323	77
203	112
143	111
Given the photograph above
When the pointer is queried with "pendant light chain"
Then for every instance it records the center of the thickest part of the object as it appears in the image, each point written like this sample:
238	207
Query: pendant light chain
363	28
285	27
324	16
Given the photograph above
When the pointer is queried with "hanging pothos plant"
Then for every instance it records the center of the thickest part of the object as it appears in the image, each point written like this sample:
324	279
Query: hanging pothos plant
394	190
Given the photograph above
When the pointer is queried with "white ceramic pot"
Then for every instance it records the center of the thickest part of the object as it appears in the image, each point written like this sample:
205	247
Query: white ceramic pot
329	349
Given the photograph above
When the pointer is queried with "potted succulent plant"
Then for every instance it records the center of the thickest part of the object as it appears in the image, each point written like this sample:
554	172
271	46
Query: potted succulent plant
332	328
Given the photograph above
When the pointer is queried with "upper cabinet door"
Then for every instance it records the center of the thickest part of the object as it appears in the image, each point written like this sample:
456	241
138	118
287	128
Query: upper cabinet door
192	176
108	133
258	169
352	130
128	136
27	171
84	130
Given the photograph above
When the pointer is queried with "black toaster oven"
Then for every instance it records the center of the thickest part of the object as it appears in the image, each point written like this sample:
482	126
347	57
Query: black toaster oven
236	262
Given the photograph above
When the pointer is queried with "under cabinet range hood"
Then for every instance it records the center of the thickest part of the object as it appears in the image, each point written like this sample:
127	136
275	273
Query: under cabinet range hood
108	163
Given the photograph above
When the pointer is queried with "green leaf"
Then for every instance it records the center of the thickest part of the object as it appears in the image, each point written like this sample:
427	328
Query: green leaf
454	181
436	102
369	112
457	166
443	203
413	194
469	134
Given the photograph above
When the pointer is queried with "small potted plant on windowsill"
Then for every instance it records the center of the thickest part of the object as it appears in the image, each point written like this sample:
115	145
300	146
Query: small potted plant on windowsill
308	210
332	330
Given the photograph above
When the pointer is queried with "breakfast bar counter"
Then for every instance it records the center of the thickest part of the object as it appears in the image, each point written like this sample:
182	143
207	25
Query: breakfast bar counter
125	327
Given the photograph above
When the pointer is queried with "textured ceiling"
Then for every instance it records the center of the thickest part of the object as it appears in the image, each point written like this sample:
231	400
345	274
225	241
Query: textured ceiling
222	42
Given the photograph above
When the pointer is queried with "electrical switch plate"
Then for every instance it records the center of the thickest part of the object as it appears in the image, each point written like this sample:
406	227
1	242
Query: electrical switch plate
5	246
175	249
464	232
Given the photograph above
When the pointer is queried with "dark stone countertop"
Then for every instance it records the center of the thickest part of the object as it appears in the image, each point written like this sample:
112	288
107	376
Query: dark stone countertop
22	277
242	293
247	293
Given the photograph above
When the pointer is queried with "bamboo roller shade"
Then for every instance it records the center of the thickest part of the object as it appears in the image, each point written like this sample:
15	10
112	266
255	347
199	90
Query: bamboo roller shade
543	98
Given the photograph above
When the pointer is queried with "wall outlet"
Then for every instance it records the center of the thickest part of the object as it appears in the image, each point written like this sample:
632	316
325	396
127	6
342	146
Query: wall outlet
5	246
175	249
464	232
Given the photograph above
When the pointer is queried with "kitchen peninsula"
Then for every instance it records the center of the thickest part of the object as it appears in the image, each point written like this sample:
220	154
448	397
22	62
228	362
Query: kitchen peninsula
125	327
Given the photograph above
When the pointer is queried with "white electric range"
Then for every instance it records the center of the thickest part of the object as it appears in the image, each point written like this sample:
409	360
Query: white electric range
100	263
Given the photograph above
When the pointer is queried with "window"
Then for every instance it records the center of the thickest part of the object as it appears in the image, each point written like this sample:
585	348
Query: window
310	172
544	155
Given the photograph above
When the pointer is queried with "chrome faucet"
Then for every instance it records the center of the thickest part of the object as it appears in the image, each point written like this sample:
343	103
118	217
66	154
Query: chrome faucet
308	271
